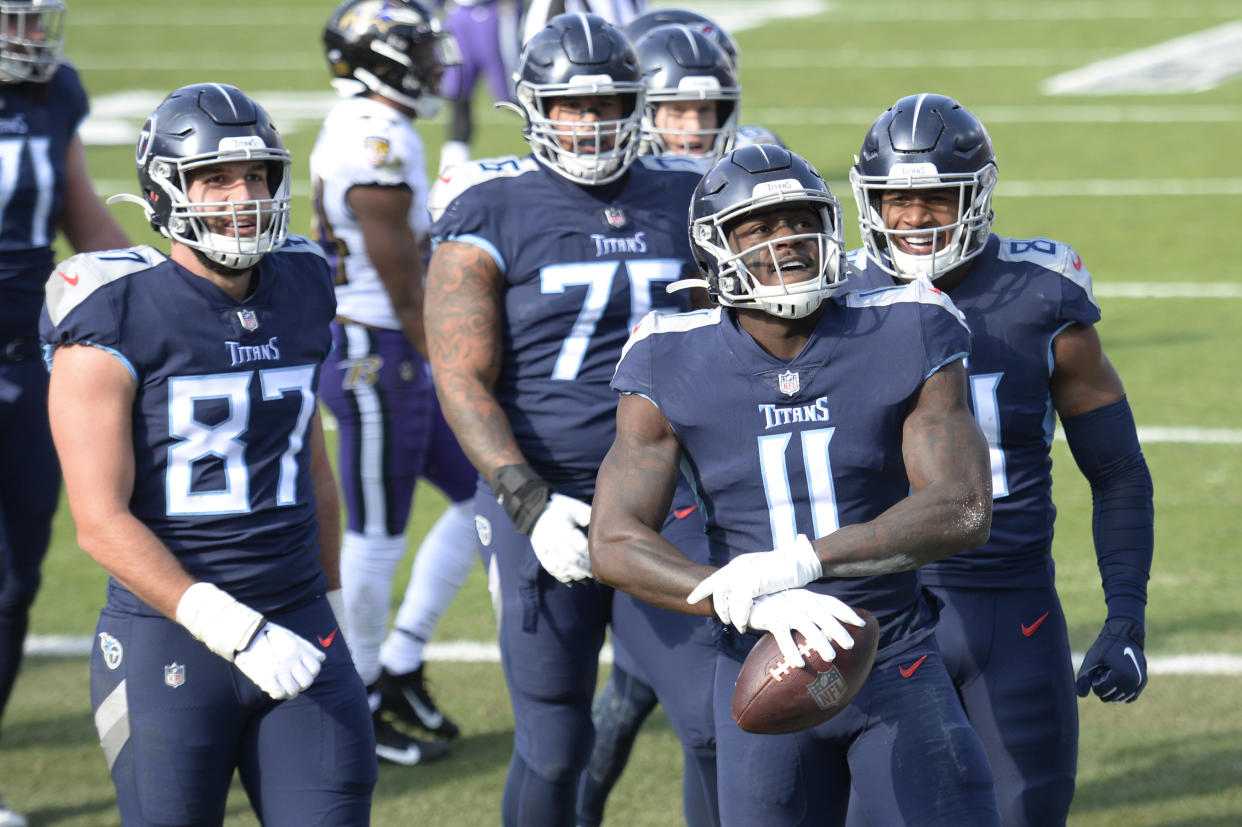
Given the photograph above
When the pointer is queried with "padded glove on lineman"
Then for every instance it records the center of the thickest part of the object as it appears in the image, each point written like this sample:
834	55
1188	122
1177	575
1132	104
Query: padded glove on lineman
280	662
747	576
817	616
560	541
1114	666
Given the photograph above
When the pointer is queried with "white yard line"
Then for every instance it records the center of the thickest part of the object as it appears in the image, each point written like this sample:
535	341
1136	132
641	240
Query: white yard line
477	651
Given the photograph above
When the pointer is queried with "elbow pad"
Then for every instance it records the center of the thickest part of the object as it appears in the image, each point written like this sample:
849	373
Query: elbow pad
1105	445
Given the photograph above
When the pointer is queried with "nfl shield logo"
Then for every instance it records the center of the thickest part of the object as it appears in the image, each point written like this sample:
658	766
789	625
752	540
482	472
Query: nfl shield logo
249	319
614	217
788	383
111	648
828	688
174	674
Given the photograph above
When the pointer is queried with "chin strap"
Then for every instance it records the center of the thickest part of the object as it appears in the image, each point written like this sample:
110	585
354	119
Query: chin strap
687	284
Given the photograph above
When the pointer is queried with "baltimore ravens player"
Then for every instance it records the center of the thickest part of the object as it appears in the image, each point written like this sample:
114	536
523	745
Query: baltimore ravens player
46	188
923	181
829	441
692	102
369	191
183	408
543	266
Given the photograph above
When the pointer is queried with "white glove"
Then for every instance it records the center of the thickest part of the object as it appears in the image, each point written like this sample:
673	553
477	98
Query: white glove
268	654
560	541
817	616
336	599
281	662
747	576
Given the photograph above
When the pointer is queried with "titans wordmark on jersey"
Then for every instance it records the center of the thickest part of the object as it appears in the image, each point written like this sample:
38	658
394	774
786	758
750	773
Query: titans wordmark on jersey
1019	294
582	267
225	396
806	445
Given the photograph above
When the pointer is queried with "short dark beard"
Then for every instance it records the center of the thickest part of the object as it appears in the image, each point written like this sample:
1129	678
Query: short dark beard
218	268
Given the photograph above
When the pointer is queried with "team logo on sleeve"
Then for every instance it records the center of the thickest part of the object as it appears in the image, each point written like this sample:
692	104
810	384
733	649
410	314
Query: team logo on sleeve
111	649
377	150
174	674
249	319
788	383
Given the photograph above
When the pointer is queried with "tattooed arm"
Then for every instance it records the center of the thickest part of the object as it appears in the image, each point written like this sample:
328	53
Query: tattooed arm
949	508
464	324
633	493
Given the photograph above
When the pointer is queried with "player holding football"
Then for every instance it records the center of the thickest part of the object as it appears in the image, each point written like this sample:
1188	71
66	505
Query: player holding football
46	188
544	265
369	191
923	181
833	431
184	412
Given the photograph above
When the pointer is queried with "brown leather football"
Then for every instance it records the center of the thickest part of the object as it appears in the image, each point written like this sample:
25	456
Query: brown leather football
771	697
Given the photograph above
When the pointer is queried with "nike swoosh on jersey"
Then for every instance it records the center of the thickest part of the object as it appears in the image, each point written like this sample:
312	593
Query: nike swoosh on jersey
907	671
73	282
1129	653
683	513
431	718
325	642
1027	631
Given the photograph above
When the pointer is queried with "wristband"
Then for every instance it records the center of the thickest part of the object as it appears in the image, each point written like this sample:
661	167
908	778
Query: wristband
522	493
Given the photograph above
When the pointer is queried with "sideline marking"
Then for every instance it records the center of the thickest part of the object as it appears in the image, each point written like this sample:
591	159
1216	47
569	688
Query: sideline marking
1193	63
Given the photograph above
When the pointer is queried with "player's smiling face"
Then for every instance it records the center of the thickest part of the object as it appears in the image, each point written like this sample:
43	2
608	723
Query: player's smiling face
779	244
908	211
578	119
684	126
222	184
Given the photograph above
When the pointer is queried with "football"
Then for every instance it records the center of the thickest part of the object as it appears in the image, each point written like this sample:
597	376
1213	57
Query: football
771	697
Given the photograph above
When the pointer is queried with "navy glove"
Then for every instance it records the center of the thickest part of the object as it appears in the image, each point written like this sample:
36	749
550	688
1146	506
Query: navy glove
1114	666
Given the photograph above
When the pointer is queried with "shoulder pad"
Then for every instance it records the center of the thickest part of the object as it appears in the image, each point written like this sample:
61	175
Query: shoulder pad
455	180
661	321
301	244
76	278
1051	255
699	165
918	291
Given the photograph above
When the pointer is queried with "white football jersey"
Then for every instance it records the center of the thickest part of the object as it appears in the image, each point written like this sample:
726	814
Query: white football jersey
363	143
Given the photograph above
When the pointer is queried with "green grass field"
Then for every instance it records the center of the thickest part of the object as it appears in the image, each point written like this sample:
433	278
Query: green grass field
1159	231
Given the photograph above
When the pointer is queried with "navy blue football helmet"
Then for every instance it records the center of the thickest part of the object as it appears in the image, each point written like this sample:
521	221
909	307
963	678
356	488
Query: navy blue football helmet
581	55
31	40
640	26
198	126
683	64
925	142
394	48
749	180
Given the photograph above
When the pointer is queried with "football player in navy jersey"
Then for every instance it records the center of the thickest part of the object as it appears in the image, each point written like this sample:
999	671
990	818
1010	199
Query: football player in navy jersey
369	192
661	656
184	412
829	441
47	188
923	181
543	266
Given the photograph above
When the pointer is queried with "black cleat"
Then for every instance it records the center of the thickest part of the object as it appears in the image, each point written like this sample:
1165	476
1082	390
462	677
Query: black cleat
393	745
406	697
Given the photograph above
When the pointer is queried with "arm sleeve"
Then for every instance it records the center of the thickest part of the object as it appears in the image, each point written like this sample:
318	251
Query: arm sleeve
1105	445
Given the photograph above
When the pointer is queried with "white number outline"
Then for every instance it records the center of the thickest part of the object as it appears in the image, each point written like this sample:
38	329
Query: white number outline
983	399
775	472
45	177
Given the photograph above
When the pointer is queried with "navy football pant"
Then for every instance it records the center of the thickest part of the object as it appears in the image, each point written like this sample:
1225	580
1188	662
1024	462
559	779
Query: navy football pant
1008	653
29	494
550	638
175	720
903	748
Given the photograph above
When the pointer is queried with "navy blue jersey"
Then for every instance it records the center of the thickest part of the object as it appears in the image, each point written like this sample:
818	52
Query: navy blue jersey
225	395
781	447
1019	294
37	123
582	267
